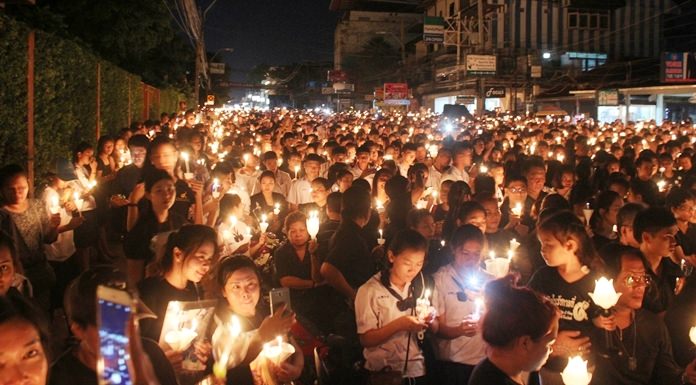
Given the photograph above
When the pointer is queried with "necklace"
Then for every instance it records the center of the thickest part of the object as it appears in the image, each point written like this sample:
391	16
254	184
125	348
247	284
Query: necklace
632	361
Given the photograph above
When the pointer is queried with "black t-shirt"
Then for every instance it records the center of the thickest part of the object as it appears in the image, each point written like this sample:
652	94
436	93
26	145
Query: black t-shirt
485	373
660	294
679	319
687	241
185	198
136	244
156	293
349	253
572	299
68	370
653	354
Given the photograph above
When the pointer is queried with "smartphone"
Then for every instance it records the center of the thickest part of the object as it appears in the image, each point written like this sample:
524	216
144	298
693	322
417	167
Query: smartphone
280	296
114	309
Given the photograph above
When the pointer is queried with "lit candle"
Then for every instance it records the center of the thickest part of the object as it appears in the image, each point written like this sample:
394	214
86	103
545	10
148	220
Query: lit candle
423	305
517	210
478	309
575	373
514	245
442	243
297	170
483	169
661	184
276	209
232	331
55	205
185	157
380	240
78	201
587	212
313	224
216	188
233	221
264	224
692	335
278	350
379	206
604	294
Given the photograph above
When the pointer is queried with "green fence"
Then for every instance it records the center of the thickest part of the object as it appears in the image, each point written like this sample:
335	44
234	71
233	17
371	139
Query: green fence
67	77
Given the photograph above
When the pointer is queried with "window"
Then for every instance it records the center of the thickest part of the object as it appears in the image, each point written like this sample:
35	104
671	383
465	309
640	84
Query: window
451	9
588	20
586	61
572	20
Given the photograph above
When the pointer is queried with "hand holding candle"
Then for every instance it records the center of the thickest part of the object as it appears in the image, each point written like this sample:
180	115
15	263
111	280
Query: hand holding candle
517	210
264	223
380	240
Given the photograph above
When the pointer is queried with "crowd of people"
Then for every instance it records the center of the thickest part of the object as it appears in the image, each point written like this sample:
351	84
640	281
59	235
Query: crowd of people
415	249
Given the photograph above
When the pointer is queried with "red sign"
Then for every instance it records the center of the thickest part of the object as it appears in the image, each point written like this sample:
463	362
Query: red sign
337	76
395	91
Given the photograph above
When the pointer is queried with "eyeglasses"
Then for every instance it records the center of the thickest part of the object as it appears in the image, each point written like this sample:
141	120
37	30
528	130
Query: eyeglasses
638	280
515	190
686	208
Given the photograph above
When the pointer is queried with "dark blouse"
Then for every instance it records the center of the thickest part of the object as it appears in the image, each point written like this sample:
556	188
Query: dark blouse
156	293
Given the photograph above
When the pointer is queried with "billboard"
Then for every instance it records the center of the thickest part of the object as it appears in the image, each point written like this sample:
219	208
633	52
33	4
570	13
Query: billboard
608	97
679	67
480	64
393	91
433	30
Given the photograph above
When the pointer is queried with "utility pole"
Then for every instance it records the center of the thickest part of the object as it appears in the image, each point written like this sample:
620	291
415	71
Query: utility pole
480	101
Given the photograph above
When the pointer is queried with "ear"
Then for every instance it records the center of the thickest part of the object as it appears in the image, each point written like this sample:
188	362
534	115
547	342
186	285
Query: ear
571	245
390	256
646	237
177	254
524	343
77	331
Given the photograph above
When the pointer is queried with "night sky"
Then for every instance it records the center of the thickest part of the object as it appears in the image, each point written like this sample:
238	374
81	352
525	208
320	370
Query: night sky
273	32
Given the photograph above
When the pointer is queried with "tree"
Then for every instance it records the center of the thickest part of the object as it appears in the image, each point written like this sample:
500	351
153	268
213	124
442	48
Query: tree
136	35
376	63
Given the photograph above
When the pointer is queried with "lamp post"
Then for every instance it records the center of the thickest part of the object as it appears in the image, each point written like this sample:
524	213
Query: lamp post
227	49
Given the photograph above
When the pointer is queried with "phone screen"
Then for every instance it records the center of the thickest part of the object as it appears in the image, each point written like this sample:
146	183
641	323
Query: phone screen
113	343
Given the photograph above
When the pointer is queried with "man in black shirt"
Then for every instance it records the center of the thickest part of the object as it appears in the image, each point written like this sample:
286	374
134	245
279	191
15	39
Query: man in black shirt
349	263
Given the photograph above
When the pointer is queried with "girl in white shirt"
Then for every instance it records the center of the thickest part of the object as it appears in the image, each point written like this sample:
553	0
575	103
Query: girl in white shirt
387	317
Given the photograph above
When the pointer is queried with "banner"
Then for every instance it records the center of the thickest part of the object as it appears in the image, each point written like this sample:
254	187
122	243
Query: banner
480	64
679	67
433	30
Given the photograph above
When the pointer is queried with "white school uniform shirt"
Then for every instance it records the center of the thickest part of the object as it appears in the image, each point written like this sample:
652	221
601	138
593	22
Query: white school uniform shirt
462	350
434	178
455	174
300	192
375	307
64	246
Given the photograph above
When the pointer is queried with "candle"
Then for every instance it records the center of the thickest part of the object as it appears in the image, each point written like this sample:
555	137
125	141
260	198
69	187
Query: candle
185	157
575	373
297	170
277	351
517	210
232	331
55	205
661	184
313	224
514	244
276	209
483	169
692	335
380	240
478	308
233	221
604	294
423	306
587	212
442	243
379	206
264	224
216	188
78	201
615	229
